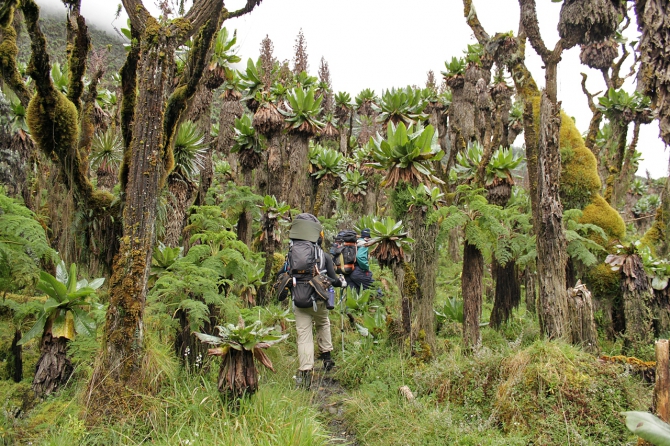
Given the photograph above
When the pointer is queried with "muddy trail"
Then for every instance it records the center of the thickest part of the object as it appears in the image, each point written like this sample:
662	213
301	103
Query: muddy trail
329	395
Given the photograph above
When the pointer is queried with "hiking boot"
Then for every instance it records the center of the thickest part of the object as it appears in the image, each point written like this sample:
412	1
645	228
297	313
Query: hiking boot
328	363
304	379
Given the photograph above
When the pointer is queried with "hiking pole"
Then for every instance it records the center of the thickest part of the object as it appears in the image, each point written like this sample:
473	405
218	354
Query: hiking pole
342	321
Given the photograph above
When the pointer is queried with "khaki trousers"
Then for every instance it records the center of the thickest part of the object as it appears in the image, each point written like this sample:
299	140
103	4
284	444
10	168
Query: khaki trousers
304	318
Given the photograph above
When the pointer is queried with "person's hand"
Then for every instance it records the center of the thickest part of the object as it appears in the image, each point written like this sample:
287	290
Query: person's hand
343	282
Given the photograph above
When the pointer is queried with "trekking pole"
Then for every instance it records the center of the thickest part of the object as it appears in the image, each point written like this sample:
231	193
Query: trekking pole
342	320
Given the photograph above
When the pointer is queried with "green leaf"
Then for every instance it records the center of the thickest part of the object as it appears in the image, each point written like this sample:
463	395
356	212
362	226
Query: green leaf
49	283
36	330
82	323
648	427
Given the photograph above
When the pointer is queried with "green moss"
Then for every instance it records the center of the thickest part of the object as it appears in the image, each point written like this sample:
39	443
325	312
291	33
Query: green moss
277	262
603	282
600	213
655	236
56	130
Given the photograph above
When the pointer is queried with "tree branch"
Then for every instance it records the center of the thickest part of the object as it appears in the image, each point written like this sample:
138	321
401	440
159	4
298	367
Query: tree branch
474	23
137	13
77	61
9	71
39	67
251	4
531	27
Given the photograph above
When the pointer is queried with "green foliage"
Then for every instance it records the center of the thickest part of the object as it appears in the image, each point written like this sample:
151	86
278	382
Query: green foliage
304	111
370	317
581	243
223	53
354	183
17	117
646	205
23	245
254	338
60	76
65	312
342	99
246	137
455	67
474	53
451	311
401	105
637	187
326	161
366	96
251	80
501	165
189	149
426	197
648	427
617	102
406	154
504	233
107	150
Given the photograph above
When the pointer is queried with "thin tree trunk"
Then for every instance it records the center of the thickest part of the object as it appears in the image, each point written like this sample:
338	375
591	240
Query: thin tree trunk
662	384
15	358
531	289
231	109
471	289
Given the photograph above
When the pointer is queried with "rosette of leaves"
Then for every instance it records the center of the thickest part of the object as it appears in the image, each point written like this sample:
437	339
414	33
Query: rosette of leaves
325	161
248	144
251	82
618	104
406	154
162	258
646	205
637	187
330	130
239	347
189	151
426	197
303	113
223	56
342	105
60	77
657	269
454	73
390	239
364	101
354	185
451	311
305	81
106	156
65	312
273	214
402	105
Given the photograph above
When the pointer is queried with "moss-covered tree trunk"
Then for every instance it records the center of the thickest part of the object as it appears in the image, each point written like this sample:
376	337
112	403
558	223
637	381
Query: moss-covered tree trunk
323	203
14	359
288	170
53	367
551	243
182	195
637	299
471	290
424	261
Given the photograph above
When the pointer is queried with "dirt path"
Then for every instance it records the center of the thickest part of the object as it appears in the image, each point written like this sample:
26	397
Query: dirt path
330	396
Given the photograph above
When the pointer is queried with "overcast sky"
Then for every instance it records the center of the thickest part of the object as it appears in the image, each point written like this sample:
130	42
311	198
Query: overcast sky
381	44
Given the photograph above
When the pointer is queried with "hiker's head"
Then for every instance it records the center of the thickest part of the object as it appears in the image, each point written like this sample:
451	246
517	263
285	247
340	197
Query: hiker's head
365	233
306	227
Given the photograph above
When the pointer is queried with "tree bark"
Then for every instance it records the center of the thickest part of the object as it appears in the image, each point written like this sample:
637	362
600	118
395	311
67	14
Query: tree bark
238	375
15	358
507	293
54	367
471	289
637	298
551	243
662	384
424	261
231	109
531	290
580	315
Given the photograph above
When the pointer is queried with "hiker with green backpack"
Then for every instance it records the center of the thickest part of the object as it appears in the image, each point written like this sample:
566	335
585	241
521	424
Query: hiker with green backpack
350	256
308	274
